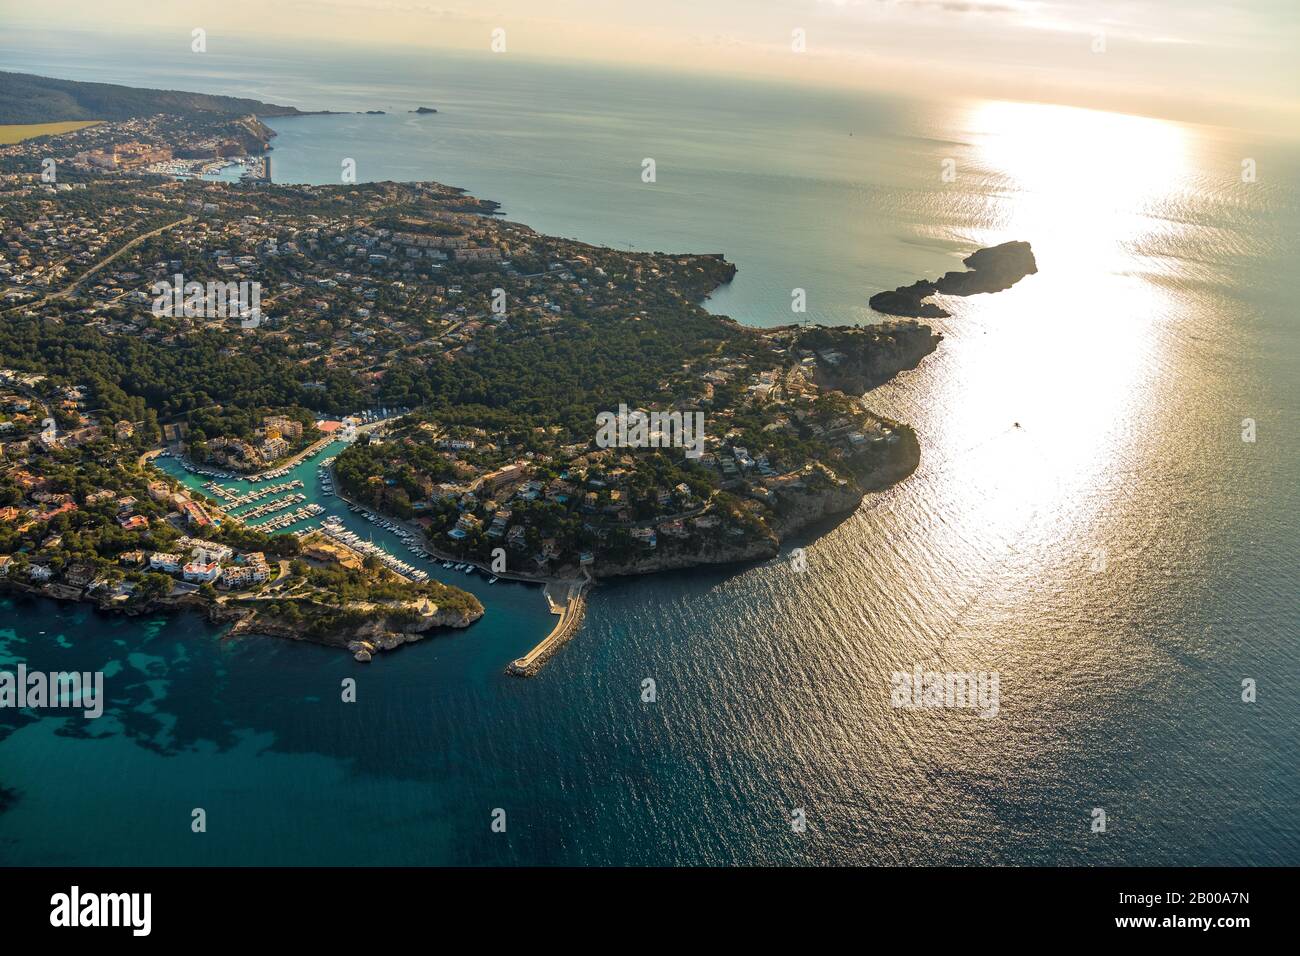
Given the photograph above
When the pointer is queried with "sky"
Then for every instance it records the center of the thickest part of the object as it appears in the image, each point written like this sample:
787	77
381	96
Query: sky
1231	63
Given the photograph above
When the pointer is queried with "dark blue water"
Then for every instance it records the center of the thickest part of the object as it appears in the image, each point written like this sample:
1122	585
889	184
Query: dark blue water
1162	315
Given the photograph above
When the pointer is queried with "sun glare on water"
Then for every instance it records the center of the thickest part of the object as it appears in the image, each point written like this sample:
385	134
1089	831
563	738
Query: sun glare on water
1086	188
1063	370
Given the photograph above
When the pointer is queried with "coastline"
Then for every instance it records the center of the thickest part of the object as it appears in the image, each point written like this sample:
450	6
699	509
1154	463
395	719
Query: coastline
215	612
570	612
245	620
796	508
772	685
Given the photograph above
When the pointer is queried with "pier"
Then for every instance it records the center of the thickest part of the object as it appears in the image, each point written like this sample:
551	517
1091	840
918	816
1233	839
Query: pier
570	610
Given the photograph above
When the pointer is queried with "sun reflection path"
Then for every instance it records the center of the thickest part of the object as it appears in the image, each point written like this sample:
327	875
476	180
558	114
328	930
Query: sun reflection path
1076	362
1056	391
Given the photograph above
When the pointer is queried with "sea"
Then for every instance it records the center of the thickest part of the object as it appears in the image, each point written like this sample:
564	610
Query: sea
1104	517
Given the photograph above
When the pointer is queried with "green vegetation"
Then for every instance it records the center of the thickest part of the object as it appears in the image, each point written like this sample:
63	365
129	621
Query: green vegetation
332	602
26	98
530	377
170	378
506	343
343	586
78	527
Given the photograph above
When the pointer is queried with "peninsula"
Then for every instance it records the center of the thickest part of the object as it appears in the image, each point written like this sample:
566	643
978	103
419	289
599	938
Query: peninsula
27	98
506	348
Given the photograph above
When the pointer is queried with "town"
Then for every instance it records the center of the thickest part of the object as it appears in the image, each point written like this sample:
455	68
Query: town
501	346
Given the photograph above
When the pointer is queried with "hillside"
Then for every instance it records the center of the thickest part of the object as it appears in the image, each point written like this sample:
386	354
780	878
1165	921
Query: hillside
26	98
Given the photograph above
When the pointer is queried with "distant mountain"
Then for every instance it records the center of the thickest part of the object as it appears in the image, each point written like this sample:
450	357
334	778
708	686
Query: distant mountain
26	98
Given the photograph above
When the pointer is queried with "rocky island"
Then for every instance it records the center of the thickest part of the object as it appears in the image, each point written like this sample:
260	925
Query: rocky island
989	270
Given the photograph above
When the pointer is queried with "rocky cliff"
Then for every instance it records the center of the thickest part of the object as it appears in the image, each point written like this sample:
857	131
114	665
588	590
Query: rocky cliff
857	360
802	510
799	510
741	552
362	629
251	133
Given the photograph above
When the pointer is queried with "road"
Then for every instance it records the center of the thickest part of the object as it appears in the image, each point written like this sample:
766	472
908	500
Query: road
63	294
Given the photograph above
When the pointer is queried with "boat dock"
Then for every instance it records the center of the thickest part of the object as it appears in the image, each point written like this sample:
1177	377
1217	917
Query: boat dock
333	527
570	610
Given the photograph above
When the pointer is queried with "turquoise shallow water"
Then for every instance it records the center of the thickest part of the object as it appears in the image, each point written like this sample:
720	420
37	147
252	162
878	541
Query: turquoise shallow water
1162	315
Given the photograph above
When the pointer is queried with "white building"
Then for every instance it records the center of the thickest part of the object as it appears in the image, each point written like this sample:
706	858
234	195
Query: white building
163	561
197	573
209	553
255	570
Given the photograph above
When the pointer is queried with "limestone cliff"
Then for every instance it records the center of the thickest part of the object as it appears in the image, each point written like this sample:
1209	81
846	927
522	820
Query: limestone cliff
361	628
740	552
798	510
857	360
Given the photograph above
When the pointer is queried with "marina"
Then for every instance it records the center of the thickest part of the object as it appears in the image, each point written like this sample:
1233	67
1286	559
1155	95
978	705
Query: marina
215	169
277	504
1122	555
308	494
219	475
281	522
333	527
234	500
303	501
